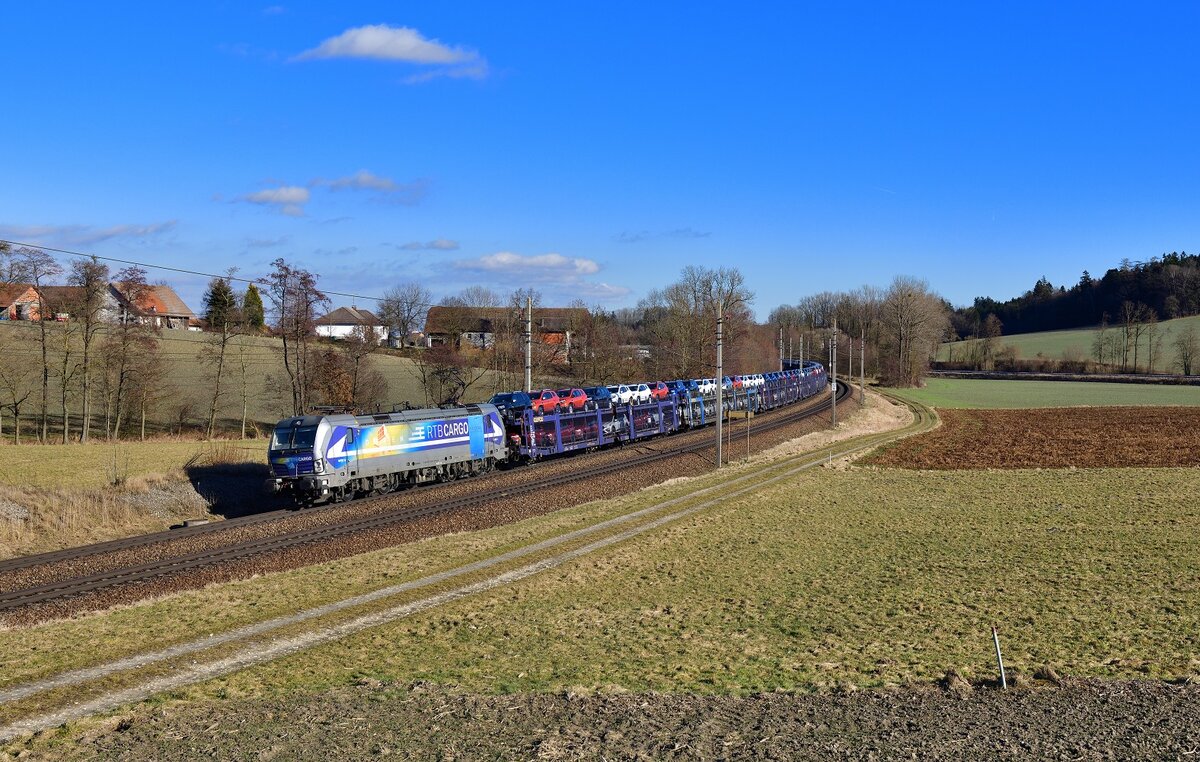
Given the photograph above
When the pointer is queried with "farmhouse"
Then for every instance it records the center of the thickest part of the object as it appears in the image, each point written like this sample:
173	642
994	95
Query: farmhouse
158	306
342	322
64	301
479	326
18	302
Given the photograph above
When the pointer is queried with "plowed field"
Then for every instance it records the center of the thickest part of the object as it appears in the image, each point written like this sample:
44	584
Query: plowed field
1093	437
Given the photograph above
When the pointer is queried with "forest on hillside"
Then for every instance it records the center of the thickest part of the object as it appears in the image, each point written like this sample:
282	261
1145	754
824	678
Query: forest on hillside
1168	285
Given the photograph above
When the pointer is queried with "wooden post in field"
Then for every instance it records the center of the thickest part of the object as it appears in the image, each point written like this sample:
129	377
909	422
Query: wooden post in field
833	376
862	368
528	344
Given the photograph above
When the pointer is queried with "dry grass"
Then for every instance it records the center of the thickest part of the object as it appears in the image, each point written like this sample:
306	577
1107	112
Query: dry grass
75	467
61	496
37	520
862	577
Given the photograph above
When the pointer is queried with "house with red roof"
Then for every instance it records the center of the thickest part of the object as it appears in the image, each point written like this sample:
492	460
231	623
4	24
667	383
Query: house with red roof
19	301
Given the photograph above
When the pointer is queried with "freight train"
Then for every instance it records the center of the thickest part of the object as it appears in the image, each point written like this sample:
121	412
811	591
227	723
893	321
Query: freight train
321	458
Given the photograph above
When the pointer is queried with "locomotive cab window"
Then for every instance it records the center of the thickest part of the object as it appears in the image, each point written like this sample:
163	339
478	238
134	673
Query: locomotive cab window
292	438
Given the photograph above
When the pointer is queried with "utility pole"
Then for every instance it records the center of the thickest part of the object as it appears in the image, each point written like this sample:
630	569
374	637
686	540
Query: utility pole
528	344
833	376
720	375
781	347
862	369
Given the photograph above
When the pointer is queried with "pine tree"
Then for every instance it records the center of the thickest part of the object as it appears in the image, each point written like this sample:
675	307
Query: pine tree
252	308
219	303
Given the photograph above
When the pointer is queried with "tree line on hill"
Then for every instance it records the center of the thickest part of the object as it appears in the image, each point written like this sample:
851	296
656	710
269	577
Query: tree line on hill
1168	285
1125	306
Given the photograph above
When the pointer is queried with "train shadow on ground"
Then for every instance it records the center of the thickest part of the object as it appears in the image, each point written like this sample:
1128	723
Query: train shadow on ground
234	489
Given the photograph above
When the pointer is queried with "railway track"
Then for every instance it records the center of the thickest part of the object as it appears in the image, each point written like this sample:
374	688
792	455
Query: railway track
67	588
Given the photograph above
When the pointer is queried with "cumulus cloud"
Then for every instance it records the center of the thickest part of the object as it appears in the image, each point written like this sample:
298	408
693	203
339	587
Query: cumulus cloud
439	244
539	266
647	235
290	199
381	42
83	235
564	278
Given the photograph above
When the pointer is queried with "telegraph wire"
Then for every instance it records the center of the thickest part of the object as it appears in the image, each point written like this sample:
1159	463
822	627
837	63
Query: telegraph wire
184	270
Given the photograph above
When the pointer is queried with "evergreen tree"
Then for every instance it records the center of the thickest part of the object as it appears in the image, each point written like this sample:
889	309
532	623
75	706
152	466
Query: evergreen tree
220	305
252	308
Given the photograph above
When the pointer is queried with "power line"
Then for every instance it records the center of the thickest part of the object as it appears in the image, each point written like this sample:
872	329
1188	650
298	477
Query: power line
184	270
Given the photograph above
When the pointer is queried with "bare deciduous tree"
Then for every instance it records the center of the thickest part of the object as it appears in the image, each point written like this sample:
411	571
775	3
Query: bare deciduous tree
18	380
130	338
1187	349
915	321
296	301
680	321
89	313
404	306
445	375
36	267
365	381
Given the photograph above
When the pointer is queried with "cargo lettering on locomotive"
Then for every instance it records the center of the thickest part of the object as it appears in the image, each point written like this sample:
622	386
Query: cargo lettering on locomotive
342	456
339	457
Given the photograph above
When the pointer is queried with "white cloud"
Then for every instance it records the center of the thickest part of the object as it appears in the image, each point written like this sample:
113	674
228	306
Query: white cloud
440	244
381	42
289	198
82	235
562	278
408	194
540	266
363	179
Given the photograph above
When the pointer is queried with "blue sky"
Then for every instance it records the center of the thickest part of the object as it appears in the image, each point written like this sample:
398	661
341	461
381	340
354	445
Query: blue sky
592	150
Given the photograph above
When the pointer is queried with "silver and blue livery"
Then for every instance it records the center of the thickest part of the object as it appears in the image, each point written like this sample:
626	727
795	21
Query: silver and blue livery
337	457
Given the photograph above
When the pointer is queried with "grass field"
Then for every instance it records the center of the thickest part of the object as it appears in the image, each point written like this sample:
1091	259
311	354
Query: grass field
1053	344
868	578
101	464
988	393
837	578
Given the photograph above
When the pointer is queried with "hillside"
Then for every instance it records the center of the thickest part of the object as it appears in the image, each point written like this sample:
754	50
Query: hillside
185	393
1078	342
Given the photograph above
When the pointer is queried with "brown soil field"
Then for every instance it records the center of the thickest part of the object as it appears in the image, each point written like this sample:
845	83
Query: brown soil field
1092	437
1079	720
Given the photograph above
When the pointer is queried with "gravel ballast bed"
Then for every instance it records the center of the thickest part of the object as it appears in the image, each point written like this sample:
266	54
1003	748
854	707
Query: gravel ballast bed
491	514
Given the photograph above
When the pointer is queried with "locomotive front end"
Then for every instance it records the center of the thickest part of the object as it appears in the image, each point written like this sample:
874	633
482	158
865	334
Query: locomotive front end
295	456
